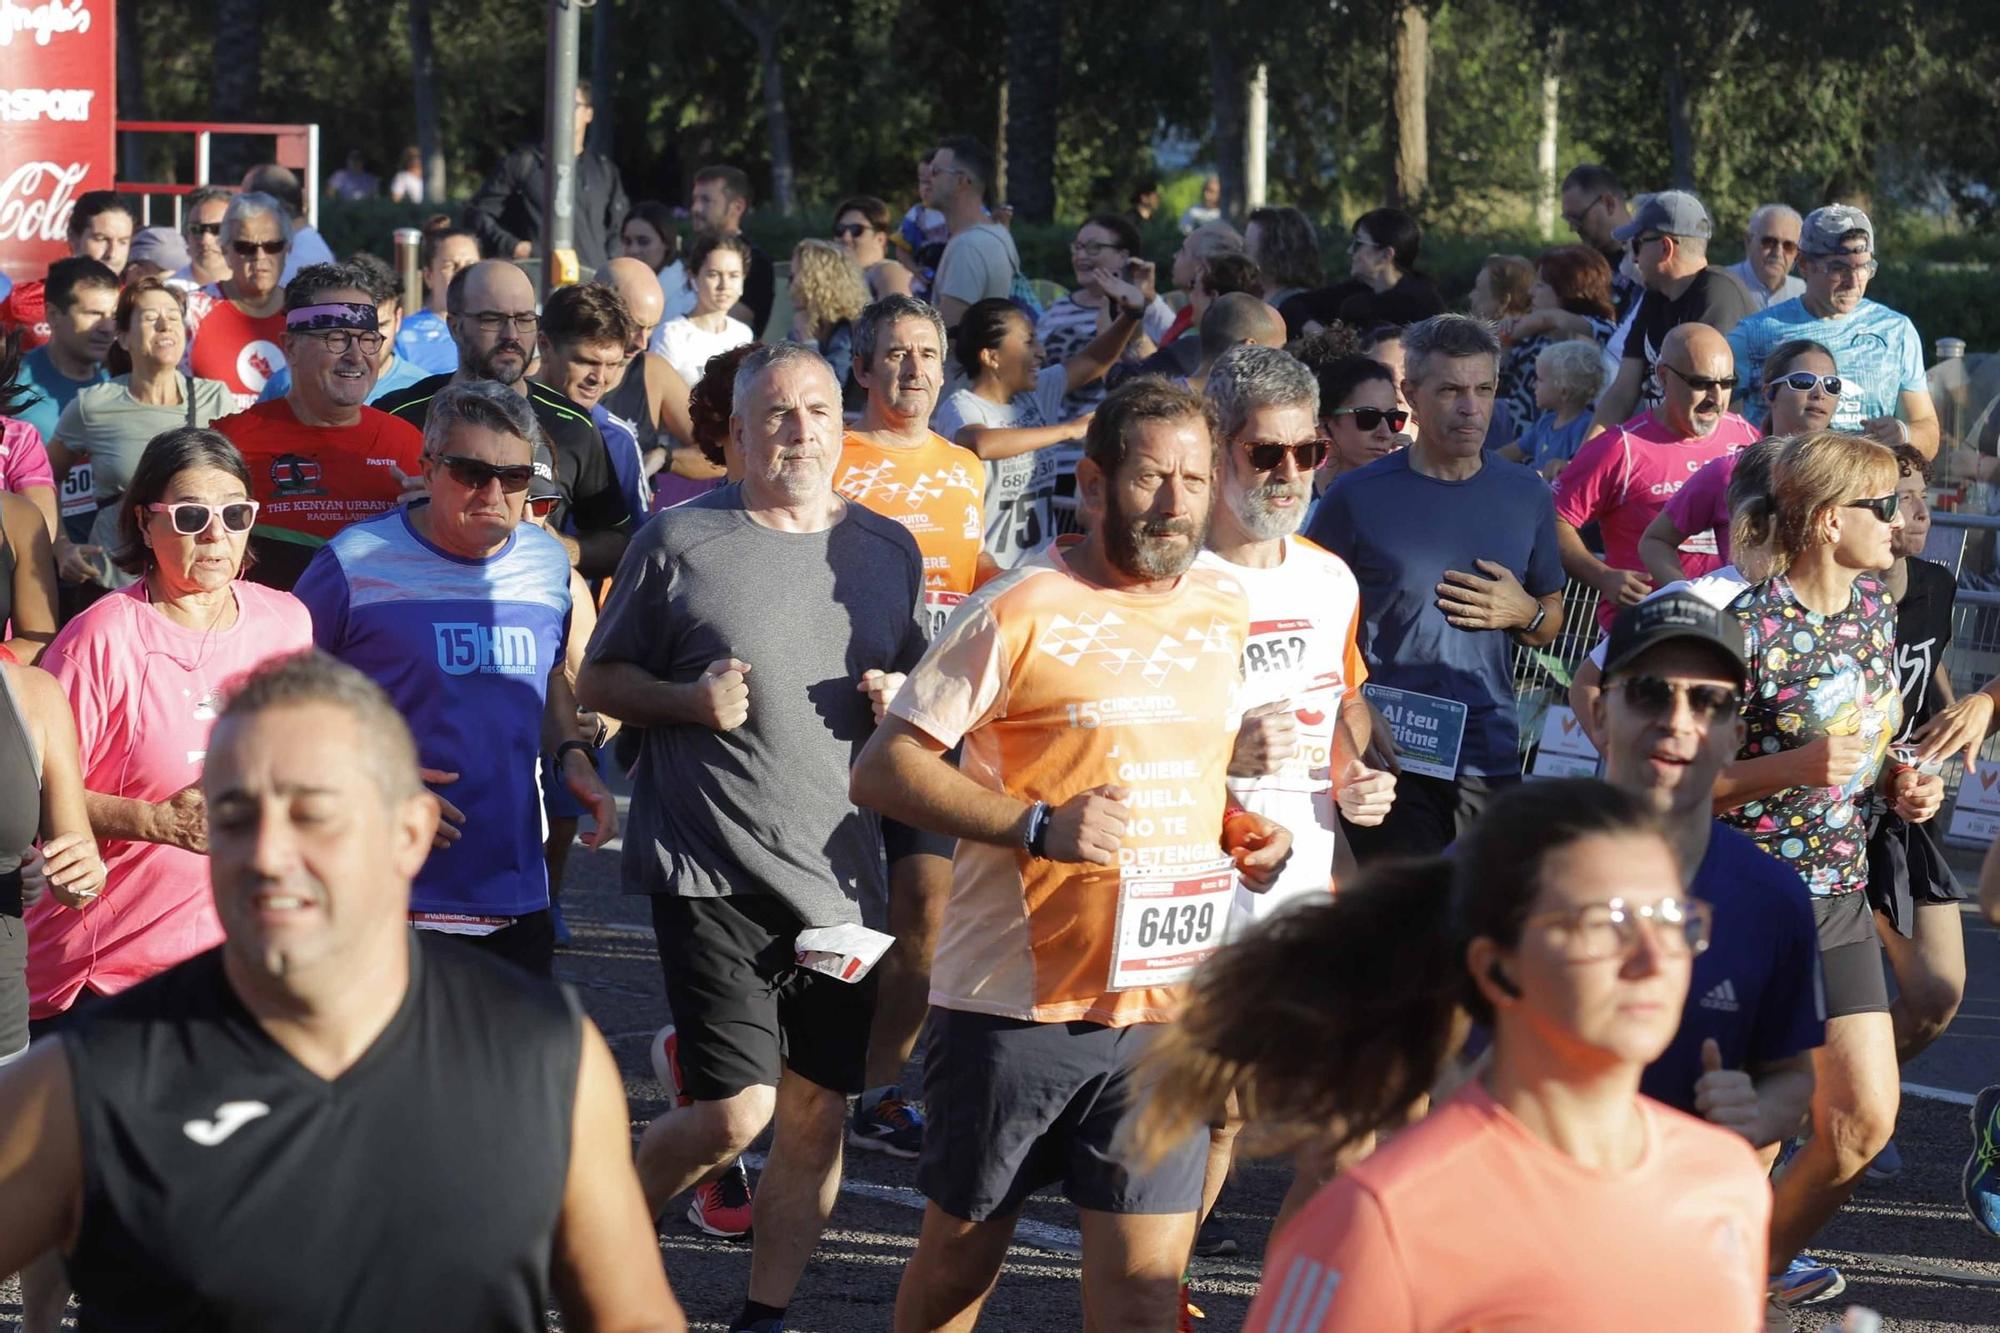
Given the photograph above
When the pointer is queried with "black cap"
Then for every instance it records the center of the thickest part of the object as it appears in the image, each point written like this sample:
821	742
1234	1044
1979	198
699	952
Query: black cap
1672	615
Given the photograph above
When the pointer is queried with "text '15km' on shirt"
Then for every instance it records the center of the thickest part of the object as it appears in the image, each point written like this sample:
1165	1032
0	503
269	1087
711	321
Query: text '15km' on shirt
1057	686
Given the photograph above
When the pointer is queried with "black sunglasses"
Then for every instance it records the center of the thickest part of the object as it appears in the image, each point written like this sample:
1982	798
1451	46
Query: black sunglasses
1883	507
1701	383
855	229
250	249
204	228
474	473
1803	381
191	519
1368	418
1265	456
1654	695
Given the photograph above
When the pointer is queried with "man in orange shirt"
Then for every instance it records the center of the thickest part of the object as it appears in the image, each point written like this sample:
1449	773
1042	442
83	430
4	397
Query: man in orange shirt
894	464
1094	689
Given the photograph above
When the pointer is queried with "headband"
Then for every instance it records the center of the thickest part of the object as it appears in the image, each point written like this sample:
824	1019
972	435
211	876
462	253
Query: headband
332	315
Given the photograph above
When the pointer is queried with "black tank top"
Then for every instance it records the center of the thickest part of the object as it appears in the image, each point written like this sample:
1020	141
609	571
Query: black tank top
629	401
227	1187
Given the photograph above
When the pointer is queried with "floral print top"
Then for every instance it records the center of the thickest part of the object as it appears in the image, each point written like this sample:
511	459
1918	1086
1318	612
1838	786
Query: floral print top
1814	675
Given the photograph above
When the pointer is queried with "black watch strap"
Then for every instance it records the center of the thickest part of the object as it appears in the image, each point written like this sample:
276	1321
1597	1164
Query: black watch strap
562	751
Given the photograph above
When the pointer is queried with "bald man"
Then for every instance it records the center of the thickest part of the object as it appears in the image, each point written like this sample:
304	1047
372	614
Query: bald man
1623	477
1233	320
652	396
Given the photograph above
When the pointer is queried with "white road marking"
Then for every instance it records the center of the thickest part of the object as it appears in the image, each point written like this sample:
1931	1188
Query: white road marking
1042	1235
1951	1095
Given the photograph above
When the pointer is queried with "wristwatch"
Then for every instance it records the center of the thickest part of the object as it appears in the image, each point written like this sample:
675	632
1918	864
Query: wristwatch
1035	837
562	751
1541	614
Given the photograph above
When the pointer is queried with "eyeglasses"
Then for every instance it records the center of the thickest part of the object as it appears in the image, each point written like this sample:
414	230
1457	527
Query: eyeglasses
852	230
204	228
1597	931
1266	455
1884	507
495	321
251	249
1362	243
1576	219
1777	243
1701	383
339	340
1094	247
1368	418
474	473
191	519
1638	243
1802	381
1654	696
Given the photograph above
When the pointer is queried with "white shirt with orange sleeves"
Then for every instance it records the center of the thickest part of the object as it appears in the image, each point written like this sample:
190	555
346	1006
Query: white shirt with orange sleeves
937	491
1468	1221
1057	687
1305	615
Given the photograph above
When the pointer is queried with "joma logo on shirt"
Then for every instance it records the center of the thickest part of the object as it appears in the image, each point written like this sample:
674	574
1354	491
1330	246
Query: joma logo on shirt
466	649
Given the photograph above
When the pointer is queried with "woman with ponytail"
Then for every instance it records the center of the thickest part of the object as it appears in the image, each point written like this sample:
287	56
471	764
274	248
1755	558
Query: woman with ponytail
1559	924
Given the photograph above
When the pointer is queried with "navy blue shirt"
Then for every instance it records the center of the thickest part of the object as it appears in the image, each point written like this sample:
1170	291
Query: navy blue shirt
1756	989
1399	531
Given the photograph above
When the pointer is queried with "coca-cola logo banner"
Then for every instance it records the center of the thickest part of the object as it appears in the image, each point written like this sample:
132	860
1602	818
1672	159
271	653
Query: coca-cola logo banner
57	122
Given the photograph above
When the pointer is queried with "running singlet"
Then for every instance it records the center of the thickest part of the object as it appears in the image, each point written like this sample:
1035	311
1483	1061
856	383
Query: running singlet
1303	647
1465	1220
1811	676
1057	687
227	1187
937	492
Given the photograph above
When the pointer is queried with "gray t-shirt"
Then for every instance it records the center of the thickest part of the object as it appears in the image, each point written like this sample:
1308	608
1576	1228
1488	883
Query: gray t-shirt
763	808
114	428
1020	491
978	263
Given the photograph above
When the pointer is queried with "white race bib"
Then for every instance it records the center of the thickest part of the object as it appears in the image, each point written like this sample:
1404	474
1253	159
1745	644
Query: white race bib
1169	922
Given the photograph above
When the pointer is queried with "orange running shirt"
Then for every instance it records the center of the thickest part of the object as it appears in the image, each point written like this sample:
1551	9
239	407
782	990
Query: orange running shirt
1468	1221
937	491
1056	687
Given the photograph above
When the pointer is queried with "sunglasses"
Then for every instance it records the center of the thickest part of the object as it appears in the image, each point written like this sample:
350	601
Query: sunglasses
191	519
541	506
1655	696
1701	383
1368	418
474	473
204	229
251	249
1774	243
1802	381
1883	507
855	230
1265	456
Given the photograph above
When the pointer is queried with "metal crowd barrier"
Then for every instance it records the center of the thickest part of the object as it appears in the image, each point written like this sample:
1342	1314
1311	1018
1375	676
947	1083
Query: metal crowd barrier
1542	675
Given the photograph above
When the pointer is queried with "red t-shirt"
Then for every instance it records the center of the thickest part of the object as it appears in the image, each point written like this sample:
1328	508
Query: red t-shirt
26	309
312	481
232	347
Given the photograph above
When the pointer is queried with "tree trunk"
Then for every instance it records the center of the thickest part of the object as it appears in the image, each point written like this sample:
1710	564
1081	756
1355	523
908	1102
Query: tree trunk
1256	121
602	137
1034	101
1545	147
423	84
1225	89
1680	124
1409	179
235	83
775	125
1000	146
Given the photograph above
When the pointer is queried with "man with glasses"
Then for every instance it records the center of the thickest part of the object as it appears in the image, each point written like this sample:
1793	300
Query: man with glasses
1593	204
506	213
491	309
1668	238
460	612
980	261
1673	681
392	372
1886	393
1770	245
319	458
201	225
1622	478
1458	563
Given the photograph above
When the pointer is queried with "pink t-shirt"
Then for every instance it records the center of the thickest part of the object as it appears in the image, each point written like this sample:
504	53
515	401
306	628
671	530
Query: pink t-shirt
1703	504
24	459
1468	1221
145	692
1623	478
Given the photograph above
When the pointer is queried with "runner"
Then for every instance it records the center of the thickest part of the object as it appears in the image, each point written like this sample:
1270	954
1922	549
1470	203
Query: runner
1093	690
176	1145
1561	925
1822	703
734	628
319	457
461	615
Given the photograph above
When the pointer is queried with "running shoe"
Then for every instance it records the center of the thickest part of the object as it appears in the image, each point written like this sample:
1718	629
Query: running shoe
1982	1169
1213	1241
1888	1164
1807	1282
722	1206
892	1126
666	1056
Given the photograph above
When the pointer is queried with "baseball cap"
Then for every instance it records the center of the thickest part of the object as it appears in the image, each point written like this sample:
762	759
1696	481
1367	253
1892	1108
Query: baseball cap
1824	228
1671	213
159	245
1668	616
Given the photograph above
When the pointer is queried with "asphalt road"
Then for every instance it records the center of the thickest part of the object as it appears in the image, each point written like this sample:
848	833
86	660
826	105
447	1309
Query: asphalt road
1907	1248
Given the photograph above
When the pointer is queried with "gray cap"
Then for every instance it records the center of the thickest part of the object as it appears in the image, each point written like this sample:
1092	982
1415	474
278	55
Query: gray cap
159	245
1824	228
1670	213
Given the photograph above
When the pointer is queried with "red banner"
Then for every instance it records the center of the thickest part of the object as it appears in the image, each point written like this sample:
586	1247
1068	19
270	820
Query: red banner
58	113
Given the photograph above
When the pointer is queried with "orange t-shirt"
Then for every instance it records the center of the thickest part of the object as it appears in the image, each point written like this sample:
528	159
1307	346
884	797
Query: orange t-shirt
937	491
1057	686
1468	1221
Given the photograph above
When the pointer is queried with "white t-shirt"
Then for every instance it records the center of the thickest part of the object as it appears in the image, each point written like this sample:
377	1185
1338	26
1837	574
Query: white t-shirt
688	348
1305	616
1718	588
1020	491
